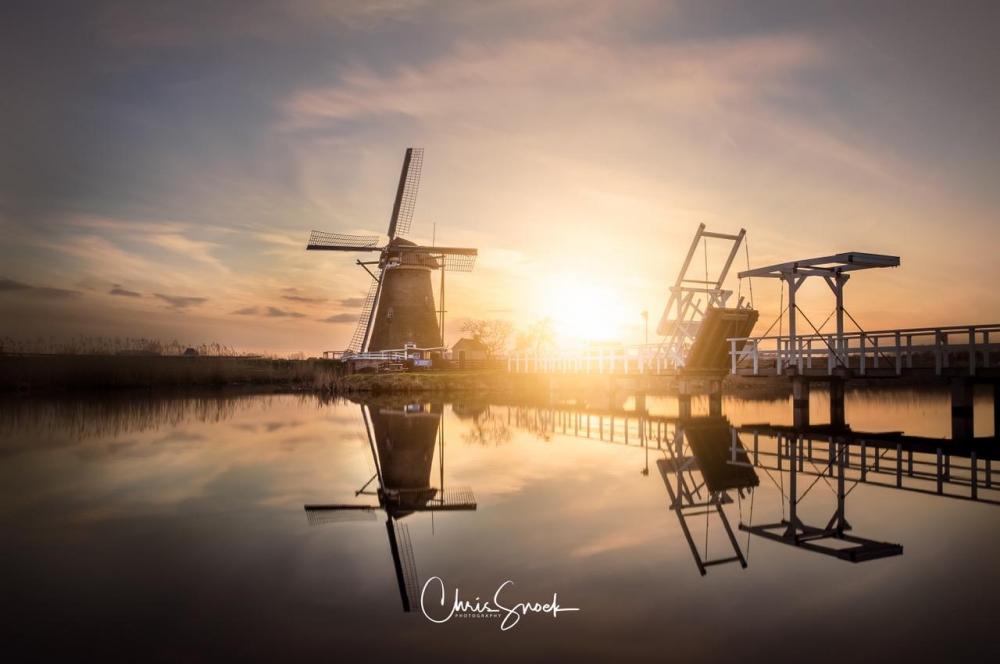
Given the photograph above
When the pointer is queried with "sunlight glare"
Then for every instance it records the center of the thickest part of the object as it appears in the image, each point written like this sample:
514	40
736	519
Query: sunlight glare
583	310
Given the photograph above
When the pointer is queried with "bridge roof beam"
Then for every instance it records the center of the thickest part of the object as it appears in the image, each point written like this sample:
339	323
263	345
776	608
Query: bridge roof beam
824	265
834	271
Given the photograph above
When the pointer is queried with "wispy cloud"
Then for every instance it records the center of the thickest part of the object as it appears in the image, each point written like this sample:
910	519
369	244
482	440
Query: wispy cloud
179	437
101	255
118	290
125	225
181	302
340	318
11	286
197	250
267	312
131	25
685	77
274	312
352	302
289	240
294	295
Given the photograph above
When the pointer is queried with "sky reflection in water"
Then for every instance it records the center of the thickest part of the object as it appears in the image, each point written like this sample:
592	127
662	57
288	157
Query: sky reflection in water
172	528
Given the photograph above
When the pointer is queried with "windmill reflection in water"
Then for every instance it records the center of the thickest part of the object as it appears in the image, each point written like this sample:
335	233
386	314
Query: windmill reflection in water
402	440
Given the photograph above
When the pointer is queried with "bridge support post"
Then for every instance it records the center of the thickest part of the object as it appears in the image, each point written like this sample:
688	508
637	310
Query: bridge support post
683	398
715	397
837	391
961	408
800	401
684	406
996	411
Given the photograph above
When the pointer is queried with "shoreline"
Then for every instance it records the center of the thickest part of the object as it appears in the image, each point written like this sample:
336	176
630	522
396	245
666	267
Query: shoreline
75	374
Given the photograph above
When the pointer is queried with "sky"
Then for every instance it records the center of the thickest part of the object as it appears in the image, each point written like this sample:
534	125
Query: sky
162	163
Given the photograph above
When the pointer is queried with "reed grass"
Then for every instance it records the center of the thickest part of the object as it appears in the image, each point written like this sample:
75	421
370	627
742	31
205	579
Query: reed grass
26	373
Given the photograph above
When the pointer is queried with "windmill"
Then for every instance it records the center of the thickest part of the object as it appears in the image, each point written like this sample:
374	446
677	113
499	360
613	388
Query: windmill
400	294
402	441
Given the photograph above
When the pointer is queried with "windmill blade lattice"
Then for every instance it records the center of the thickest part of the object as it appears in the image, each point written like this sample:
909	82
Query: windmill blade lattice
459	262
406	197
342	242
360	332
317	516
458	498
429	257
406	565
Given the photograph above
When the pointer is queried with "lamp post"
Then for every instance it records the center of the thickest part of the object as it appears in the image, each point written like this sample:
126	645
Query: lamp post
645	317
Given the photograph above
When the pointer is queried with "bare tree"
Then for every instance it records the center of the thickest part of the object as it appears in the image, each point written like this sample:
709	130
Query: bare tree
492	333
487	429
536	337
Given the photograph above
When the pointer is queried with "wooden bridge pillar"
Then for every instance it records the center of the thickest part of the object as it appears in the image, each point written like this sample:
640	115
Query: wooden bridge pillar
640	402
683	398
837	391
715	397
684	406
800	401
996	410
961	409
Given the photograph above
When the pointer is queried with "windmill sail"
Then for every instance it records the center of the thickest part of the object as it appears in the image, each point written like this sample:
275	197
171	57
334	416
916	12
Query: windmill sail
453	259
406	193
360	338
342	242
319	514
405	563
457	498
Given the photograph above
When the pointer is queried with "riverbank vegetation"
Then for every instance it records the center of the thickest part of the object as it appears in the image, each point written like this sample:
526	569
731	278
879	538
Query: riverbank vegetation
26	373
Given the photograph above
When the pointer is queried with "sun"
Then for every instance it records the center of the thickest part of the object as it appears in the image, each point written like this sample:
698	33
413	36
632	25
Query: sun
584	310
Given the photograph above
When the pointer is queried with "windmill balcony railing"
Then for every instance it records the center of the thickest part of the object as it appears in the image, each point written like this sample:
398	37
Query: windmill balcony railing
383	355
961	348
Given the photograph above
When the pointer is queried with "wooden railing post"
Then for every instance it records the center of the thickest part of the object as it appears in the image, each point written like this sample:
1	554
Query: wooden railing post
972	351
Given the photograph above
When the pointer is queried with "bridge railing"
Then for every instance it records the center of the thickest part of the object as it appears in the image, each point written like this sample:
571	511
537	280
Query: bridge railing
961	346
944	471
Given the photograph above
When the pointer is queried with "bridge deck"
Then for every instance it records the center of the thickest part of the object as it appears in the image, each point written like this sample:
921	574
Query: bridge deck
966	350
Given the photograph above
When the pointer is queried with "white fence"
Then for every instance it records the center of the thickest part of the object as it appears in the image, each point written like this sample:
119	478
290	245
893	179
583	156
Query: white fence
598	360
969	346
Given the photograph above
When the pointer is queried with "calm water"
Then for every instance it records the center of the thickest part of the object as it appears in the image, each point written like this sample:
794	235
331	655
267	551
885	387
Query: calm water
173	529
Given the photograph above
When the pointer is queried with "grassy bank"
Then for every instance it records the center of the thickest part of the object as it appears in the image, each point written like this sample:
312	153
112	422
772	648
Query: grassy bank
58	373
27	373
54	373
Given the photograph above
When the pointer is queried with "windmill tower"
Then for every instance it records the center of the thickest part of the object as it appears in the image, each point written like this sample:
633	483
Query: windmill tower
402	442
400	294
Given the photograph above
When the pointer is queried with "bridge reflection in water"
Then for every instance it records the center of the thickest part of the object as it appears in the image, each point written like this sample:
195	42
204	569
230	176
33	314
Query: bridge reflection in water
706	466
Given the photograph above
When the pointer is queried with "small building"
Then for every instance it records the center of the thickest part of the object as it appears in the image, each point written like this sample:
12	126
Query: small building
190	352
469	349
